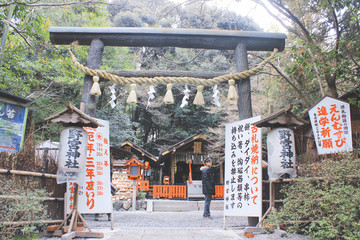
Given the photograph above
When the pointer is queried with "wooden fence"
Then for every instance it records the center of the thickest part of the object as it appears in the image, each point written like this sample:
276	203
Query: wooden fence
172	191
54	204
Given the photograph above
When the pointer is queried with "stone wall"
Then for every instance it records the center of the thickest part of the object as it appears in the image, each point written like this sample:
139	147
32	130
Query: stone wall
123	184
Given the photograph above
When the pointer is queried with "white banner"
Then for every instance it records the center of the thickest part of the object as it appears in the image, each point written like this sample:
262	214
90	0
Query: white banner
243	172
331	125
281	153
94	183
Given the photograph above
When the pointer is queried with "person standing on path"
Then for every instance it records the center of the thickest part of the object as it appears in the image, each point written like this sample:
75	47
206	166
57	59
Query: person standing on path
208	186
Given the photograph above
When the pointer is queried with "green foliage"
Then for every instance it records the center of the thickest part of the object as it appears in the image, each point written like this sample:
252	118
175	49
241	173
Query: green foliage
322	52
44	72
121	127
27	206
141	195
327	208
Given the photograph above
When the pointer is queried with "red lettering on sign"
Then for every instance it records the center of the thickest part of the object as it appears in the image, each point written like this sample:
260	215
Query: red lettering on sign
322	111
323	121
327	143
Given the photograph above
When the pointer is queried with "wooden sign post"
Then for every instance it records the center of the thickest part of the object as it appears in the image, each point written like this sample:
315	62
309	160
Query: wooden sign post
73	117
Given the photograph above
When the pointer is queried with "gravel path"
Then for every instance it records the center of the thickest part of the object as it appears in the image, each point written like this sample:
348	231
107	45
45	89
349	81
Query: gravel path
177	221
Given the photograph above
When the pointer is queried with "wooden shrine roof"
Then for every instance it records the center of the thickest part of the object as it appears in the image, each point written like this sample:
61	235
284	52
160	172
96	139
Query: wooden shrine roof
120	153
283	118
71	115
183	145
169	37
140	152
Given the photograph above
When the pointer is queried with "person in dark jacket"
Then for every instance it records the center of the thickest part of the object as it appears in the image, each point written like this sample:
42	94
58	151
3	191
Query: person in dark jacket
208	186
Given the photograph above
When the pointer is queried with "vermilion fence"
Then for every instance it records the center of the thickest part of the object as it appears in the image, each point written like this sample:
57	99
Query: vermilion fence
219	191
172	191
142	185
169	191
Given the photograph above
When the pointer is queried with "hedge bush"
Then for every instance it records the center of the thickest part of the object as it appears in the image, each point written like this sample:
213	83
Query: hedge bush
328	208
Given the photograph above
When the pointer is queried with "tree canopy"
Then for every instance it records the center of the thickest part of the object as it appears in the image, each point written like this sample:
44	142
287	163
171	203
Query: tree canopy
321	57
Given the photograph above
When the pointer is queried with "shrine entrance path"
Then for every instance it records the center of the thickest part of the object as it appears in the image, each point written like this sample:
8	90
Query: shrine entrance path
142	225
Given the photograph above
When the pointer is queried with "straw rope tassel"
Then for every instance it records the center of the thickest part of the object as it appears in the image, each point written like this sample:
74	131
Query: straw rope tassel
95	89
232	94
132	98
199	98
169	98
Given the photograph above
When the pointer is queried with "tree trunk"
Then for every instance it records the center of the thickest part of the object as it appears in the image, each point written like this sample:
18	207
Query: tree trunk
331	82
94	60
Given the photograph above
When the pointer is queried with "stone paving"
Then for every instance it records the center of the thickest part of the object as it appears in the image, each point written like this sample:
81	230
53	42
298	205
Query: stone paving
176	224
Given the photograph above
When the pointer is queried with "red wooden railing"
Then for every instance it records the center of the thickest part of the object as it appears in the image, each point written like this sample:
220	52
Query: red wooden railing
219	191
171	191
142	185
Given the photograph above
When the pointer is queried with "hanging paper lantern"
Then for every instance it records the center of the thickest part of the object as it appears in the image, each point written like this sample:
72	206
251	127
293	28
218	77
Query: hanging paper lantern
72	152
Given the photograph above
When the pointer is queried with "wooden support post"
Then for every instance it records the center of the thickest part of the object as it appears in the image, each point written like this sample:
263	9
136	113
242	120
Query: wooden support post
72	229
112	221
222	173
244	92
172	167
272	204
94	60
243	85
134	196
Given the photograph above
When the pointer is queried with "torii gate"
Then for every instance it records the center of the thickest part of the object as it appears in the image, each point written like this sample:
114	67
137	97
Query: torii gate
240	41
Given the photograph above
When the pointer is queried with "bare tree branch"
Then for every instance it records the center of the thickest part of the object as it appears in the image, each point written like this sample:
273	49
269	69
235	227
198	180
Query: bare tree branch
317	71
288	80
17	30
287	27
35	4
186	3
286	12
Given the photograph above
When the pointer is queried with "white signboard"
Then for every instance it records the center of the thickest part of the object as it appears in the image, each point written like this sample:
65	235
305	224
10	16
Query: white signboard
281	153
331	125
94	183
243	172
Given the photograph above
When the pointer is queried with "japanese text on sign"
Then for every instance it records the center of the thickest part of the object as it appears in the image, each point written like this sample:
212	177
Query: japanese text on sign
281	153
331	124
243	172
94	184
12	126
72	154
74	143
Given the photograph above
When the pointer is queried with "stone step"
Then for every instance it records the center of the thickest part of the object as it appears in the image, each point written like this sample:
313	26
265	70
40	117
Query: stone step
183	205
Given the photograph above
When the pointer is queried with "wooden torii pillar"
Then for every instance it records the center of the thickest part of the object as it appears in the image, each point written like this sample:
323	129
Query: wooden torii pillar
239	41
